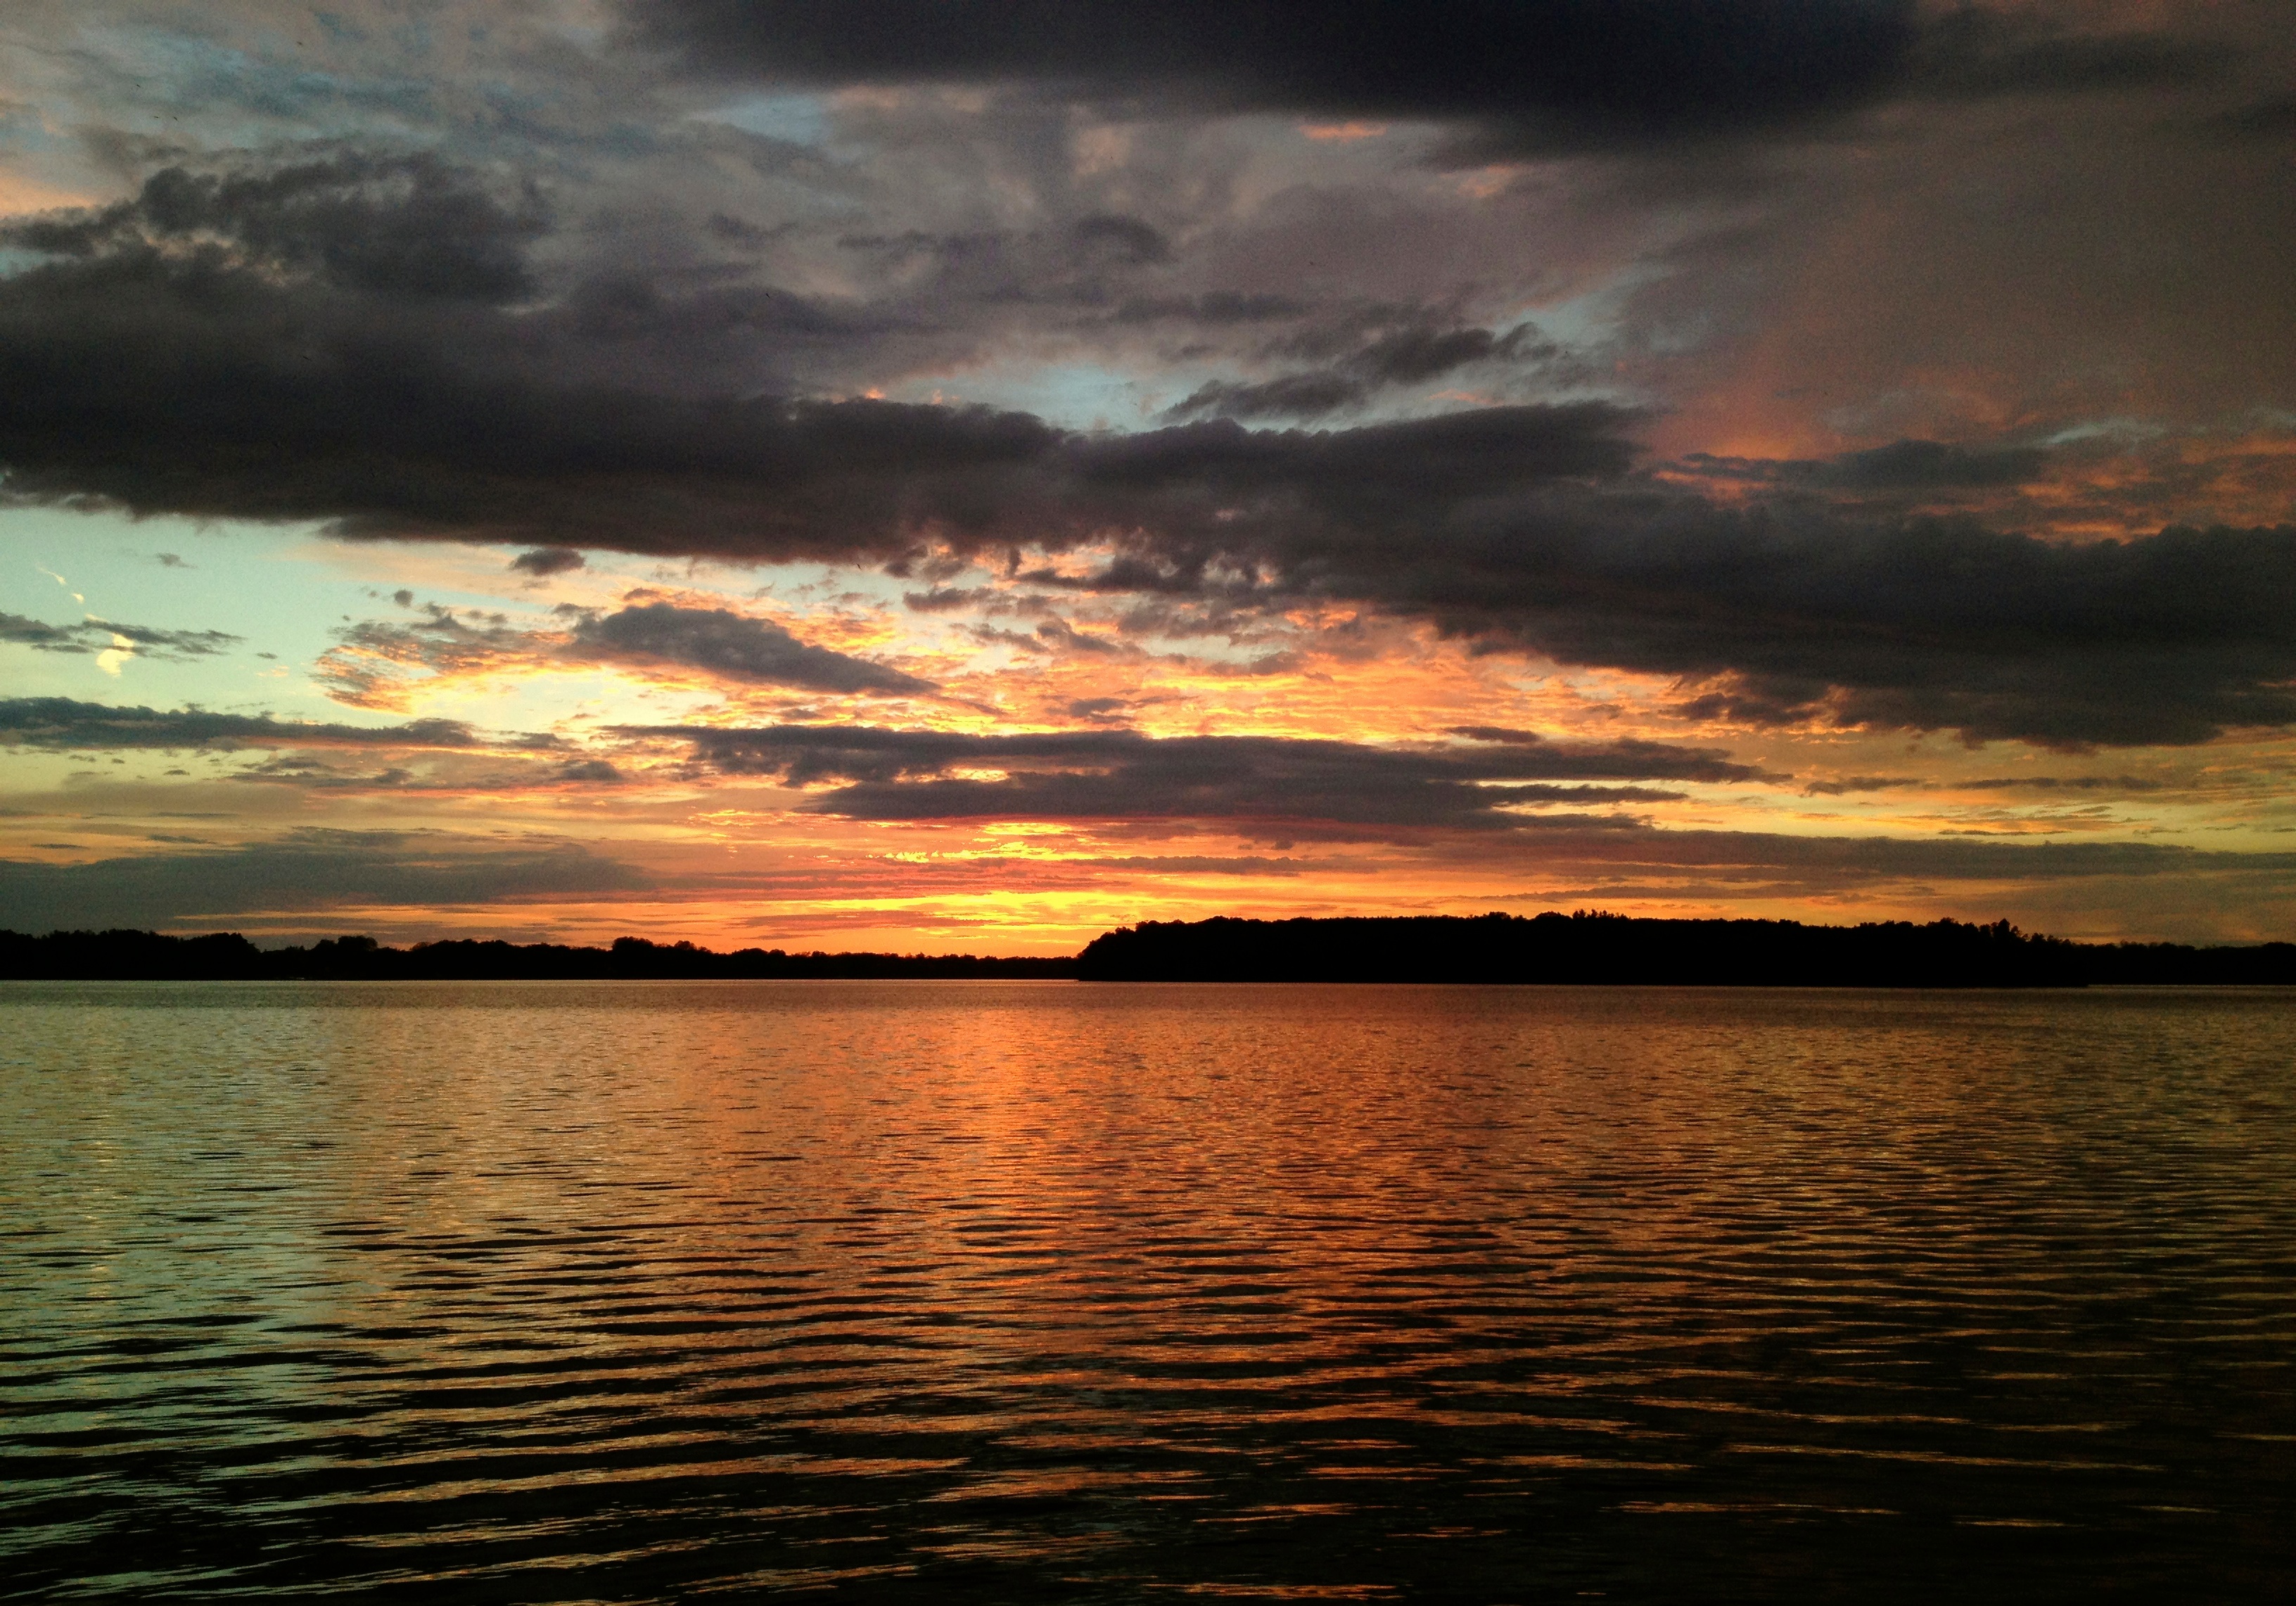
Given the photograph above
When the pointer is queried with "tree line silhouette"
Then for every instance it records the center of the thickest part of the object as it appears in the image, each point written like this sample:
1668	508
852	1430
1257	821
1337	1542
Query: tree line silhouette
1602	948
1586	948
228	956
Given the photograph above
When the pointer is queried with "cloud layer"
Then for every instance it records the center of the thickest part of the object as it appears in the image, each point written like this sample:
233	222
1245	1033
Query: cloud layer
63	723
1552	74
732	645
330	340
305	871
891	775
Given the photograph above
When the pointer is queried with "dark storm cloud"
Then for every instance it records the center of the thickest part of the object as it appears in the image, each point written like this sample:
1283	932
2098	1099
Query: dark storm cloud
545	561
1800	613
284	390
306	871
403	226
732	645
96	635
61	723
1509	77
245	397
256	375
892	774
1524	75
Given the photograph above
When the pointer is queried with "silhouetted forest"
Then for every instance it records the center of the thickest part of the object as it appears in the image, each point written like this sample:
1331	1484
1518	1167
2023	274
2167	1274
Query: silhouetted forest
225	956
1615	948
1489	948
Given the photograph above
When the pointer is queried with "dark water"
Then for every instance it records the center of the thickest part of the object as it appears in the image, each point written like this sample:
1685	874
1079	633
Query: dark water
1021	1291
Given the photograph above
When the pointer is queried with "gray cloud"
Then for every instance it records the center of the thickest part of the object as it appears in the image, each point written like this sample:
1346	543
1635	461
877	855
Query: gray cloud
61	723
2117	785
1368	354
305	871
1289	396
545	561
2111	784
892	774
96	635
732	645
1859	783
18	630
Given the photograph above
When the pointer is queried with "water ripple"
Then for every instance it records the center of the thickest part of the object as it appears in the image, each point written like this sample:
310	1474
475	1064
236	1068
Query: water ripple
1006	1292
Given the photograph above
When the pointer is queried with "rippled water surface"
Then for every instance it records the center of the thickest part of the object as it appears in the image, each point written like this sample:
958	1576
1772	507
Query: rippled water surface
1020	1292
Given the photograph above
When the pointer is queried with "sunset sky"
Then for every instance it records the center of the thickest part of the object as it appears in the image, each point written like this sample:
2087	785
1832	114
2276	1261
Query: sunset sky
962	477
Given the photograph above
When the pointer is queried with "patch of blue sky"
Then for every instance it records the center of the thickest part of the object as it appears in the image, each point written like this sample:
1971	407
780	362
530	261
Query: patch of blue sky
63	568
2105	429
1076	394
550	127
797	119
233	93
23	129
1108	396
290	591
1593	315
1589	323
341	30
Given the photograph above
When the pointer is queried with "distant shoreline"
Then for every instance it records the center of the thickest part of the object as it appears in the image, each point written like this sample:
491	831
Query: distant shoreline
228	956
1584	948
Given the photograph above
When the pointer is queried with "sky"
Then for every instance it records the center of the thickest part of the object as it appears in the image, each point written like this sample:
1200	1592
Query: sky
958	479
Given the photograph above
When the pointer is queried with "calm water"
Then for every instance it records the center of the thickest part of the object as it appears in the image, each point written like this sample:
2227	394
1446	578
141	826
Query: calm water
1018	1291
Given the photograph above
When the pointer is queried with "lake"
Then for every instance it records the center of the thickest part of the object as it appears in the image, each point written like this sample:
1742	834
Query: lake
1015	1292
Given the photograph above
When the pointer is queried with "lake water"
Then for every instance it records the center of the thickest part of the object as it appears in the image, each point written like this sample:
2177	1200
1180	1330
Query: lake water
1009	1291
